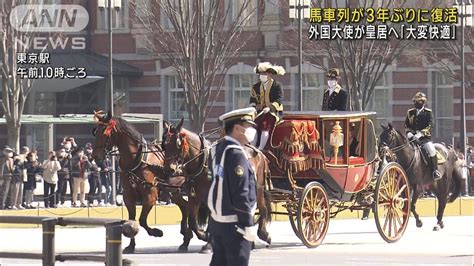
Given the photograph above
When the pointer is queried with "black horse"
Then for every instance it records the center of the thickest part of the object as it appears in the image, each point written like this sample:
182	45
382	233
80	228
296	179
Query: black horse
410	157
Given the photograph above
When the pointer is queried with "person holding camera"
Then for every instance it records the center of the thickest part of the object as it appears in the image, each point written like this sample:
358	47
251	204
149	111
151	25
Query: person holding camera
32	169
50	177
63	177
80	171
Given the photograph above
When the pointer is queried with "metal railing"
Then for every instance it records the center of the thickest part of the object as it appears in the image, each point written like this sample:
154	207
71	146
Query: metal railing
113	250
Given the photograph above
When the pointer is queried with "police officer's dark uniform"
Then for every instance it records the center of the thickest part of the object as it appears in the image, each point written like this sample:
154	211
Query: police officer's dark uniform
232	196
335	97
418	124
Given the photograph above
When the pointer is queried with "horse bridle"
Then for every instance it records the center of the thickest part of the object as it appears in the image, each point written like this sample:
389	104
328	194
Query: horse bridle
203	150
396	149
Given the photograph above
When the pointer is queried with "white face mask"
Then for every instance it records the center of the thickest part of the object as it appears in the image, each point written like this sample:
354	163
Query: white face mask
332	83
263	78
250	134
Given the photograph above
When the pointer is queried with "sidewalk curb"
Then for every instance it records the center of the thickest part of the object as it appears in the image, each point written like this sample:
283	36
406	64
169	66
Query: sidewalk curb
170	214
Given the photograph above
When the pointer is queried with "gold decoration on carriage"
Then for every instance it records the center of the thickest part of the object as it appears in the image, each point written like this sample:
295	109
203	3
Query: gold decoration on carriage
336	140
295	144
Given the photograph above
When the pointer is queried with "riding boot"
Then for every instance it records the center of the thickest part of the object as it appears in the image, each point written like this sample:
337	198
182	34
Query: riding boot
434	165
263	140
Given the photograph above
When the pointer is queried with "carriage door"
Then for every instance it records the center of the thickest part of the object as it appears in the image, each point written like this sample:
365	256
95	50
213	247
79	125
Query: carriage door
336	148
357	173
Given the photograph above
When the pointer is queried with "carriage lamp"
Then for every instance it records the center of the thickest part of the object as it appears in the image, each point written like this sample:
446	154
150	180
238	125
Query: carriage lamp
336	139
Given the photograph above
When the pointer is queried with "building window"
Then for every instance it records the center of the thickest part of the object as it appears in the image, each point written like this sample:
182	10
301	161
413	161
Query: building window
177	102
241	86
119	14
379	101
184	6
313	91
248	16
443	106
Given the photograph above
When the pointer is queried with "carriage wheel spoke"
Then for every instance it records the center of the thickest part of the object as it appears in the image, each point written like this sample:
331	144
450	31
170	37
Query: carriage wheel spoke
400	191
398	217
386	220
389	222
398	182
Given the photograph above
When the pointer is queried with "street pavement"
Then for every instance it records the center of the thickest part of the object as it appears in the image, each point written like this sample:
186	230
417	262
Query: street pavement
348	242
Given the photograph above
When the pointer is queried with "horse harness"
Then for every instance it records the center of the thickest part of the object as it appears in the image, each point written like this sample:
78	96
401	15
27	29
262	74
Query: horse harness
142	159
191	177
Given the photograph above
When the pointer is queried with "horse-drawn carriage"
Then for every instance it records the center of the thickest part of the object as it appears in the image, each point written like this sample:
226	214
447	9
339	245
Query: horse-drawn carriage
322	163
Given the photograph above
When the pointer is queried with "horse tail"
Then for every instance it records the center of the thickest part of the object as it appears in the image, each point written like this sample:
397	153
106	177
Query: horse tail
203	214
458	184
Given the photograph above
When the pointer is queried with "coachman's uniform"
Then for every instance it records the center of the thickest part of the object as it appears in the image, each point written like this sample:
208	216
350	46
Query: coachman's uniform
267	95
421	121
337	100
418	123
232	202
335	97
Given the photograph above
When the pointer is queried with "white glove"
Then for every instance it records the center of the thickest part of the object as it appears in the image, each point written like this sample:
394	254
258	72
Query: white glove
249	233
418	135
409	135
266	110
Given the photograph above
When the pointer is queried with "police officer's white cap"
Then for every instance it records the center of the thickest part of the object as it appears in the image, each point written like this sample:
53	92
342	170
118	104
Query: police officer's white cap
240	115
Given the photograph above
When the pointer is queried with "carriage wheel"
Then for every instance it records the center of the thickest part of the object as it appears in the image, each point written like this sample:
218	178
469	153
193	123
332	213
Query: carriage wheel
313	215
392	202
292	218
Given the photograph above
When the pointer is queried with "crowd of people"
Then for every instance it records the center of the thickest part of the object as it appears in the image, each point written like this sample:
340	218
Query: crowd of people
70	166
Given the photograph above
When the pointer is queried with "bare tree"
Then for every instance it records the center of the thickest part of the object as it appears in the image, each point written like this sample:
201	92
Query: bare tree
446	56
16	89
201	40
362	61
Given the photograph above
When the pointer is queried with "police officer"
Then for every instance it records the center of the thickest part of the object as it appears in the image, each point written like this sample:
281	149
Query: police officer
335	97
266	97
232	196
418	124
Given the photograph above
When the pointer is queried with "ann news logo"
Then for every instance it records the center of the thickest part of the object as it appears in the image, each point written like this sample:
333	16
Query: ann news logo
38	19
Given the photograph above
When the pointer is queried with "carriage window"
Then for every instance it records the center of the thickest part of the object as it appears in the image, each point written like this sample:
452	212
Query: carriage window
335	141
356	148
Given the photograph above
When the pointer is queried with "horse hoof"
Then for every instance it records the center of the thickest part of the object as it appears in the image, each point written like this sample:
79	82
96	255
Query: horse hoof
441	225
419	223
265	236
156	232
129	250
436	228
206	249
183	249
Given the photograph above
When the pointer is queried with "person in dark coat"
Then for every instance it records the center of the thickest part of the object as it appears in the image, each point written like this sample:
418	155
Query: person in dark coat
418	124
32	169
232	196
63	176
335	97
266	96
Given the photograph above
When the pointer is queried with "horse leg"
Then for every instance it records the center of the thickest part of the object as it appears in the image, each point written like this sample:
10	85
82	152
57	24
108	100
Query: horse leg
263	208
414	199
185	230
441	206
147	205
130	202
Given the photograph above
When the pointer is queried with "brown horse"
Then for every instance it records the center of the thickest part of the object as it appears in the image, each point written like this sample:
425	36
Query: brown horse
409	156
191	151
141	166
